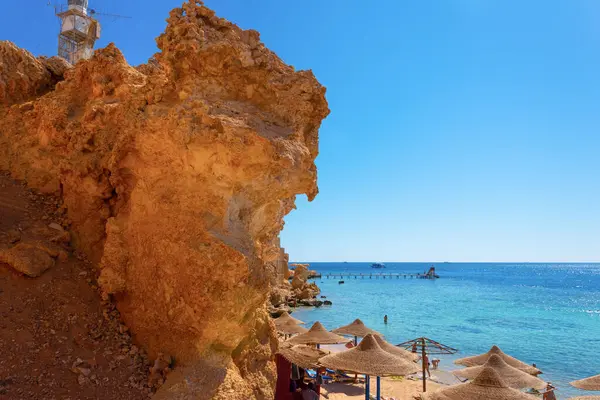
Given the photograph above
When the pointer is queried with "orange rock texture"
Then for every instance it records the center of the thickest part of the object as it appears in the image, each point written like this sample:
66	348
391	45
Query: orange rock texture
23	77
176	176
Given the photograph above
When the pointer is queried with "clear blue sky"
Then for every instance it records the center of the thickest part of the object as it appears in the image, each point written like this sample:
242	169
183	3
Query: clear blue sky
461	130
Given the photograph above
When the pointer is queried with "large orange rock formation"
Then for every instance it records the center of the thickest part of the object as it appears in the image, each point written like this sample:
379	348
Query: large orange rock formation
176	176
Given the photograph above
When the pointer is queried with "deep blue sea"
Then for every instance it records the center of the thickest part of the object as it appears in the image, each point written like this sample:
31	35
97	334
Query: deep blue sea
548	314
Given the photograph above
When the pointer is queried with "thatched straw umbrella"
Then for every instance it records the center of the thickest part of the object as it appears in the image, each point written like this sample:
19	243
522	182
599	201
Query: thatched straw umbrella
482	358
395	350
317	334
591	383
285	317
370	359
513	377
290	328
487	385
302	355
356	329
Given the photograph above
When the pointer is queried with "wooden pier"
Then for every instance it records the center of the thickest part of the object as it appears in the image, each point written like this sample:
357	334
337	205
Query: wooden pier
379	275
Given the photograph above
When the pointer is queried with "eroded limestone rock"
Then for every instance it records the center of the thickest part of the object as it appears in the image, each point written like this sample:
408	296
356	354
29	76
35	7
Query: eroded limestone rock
176	176
24	77
29	260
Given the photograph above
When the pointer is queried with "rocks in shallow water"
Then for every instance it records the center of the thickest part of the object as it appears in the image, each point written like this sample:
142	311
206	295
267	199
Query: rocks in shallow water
308	291
305	294
313	302
298	292
310	303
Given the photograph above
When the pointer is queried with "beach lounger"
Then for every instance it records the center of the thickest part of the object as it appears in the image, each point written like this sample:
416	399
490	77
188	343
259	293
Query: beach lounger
338	373
312	374
342	377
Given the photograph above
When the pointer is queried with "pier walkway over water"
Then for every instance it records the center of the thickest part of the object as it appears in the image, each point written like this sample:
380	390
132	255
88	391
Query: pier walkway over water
379	275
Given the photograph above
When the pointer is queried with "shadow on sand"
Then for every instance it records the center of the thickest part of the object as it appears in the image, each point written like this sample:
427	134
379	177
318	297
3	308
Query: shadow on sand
341	388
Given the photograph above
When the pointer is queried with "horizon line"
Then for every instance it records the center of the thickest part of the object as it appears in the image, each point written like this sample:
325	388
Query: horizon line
454	262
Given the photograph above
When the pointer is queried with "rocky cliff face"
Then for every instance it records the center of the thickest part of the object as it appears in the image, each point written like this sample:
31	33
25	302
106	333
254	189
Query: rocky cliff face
297	292
175	176
23	77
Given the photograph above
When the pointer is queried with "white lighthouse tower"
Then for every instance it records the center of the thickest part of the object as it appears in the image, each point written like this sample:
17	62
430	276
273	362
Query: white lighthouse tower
78	32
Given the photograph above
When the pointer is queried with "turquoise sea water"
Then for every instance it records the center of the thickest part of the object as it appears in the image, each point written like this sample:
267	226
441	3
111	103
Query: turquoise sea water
548	314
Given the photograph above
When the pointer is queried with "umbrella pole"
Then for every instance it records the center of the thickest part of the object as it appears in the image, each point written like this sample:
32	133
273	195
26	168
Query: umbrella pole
378	388
367	387
355	344
317	374
423	362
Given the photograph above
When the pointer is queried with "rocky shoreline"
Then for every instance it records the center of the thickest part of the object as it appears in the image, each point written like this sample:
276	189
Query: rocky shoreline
296	291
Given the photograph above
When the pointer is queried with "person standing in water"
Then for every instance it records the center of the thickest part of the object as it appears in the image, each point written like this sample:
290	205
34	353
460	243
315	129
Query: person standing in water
427	363
385	319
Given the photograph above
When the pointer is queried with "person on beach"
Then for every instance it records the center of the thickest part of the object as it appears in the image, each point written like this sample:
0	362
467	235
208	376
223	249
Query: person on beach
435	362
427	364
549	393
308	392
385	319
414	348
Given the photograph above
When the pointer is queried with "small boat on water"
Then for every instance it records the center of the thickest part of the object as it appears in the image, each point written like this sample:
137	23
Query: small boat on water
377	265
341	282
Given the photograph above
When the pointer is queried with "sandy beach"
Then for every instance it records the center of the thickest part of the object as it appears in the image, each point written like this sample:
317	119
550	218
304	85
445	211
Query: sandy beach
404	389
398	388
